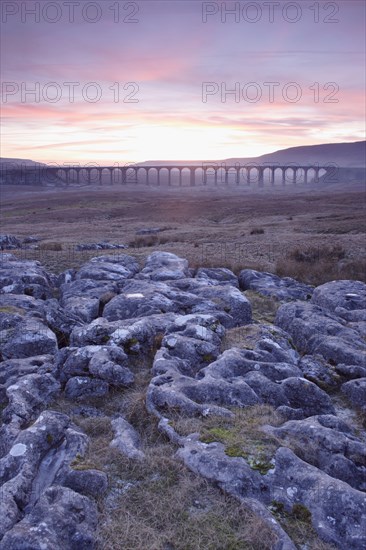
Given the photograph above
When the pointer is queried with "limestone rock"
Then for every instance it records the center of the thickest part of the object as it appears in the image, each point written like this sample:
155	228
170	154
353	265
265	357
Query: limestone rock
268	284
93	483
8	242
139	332
233	474
355	390
23	327
83	387
142	298
84	297
162	266
107	363
338	512
317	370
126	439
13	369
25	277
109	268
62	519
100	246
346	299
315	331
328	444
217	275
231	300
29	396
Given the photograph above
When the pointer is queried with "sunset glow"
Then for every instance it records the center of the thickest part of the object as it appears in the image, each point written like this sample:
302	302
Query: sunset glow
157	81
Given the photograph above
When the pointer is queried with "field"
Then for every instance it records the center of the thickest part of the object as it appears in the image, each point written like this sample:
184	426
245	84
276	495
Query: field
313	234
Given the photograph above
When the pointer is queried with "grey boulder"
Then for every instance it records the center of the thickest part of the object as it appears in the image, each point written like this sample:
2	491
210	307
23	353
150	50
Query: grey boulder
268	284
62	520
163	266
355	391
338	512
126	440
83	387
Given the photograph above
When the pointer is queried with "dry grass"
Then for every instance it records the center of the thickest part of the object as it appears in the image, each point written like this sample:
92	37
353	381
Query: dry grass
317	265
162	505
244	337
313	255
148	241
143	241
264	308
157	503
209	227
297	523
53	246
239	337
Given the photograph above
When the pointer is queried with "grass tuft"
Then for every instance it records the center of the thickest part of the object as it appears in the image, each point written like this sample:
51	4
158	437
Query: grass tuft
317	265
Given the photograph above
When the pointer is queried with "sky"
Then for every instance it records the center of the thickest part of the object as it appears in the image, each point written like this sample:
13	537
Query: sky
114	81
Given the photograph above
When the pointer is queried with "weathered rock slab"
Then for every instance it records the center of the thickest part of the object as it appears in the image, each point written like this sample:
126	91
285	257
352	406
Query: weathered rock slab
338	512
62	519
268	284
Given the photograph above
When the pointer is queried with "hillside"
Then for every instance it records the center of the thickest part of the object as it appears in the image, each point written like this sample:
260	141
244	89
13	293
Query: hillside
343	154
15	162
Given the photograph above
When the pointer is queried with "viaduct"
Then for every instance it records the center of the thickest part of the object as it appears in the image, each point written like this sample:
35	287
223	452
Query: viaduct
192	174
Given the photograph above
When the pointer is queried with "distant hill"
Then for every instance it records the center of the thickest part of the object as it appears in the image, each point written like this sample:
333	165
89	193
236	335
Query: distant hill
15	163
347	155
14	171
